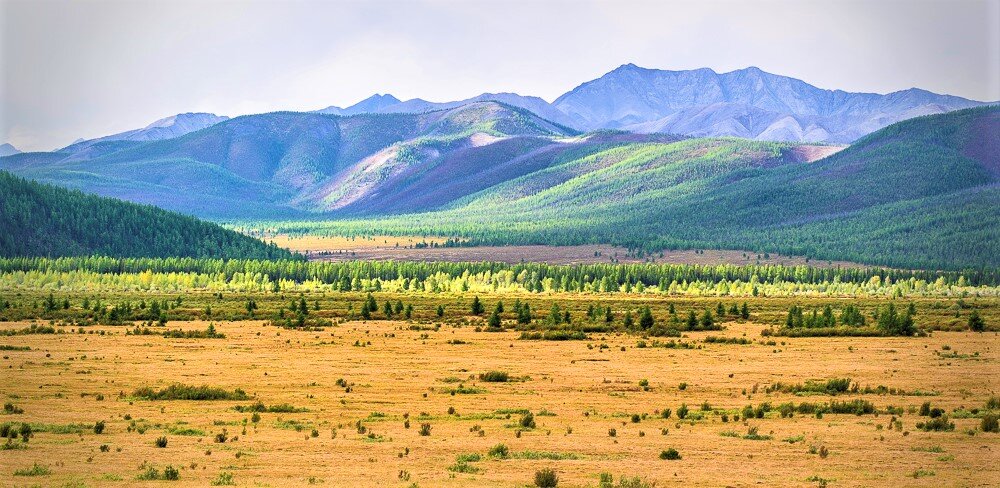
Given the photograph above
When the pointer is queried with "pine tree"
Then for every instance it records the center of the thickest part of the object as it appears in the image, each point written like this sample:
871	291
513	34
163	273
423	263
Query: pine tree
646	319
477	306
706	320
494	321
976	323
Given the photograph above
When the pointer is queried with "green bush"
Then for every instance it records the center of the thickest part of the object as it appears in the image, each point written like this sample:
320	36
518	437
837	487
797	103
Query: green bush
35	470
670	454
178	391
494	376
499	451
990	423
546	478
937	424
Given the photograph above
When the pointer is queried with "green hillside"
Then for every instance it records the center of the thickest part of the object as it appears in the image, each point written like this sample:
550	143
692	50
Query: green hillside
43	220
921	193
287	164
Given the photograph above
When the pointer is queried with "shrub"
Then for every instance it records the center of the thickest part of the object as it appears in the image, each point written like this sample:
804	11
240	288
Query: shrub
10	408
499	451
161	442
682	411
937	424
99	427
463	467
990	423
670	454
35	470
494	377
178	391
149	473
170	473
546	478
993	403
224	479
527	421
753	435
425	429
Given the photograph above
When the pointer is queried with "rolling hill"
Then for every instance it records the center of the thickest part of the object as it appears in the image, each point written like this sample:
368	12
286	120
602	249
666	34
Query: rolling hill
165	128
920	193
287	164
43	220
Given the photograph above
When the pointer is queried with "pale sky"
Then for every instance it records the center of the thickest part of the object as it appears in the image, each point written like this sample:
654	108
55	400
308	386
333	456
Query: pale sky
91	68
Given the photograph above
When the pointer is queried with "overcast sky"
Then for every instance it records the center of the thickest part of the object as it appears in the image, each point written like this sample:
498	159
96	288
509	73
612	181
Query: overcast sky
91	68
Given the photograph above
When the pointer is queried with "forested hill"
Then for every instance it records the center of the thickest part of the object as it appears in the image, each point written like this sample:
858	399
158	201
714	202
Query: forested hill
923	193
43	220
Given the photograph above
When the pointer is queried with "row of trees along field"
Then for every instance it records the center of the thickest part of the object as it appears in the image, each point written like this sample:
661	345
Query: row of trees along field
268	275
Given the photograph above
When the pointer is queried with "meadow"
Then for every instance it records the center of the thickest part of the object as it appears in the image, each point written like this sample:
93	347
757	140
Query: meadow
434	393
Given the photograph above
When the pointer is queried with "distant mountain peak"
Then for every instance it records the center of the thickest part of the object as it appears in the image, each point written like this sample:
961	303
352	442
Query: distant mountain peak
193	118
384	97
747	102
7	149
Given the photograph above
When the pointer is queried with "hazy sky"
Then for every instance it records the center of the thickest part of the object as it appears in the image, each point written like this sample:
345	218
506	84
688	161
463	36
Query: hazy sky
91	68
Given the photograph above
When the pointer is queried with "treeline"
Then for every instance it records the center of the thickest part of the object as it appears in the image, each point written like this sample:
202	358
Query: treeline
886	322
272	275
44	220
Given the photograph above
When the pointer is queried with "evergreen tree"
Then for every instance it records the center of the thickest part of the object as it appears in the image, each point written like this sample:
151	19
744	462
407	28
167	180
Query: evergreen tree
494	321
976	323
628	323
477	306
646	319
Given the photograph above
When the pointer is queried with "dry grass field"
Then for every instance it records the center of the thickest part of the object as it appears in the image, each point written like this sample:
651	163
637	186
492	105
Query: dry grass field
403	248
395	379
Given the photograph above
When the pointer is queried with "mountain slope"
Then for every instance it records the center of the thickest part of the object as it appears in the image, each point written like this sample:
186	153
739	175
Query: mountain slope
388	104
920	193
42	220
286	164
746	103
165	128
7	149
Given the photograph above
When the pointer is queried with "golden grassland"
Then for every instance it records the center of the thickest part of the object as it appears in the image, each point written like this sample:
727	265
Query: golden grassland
577	391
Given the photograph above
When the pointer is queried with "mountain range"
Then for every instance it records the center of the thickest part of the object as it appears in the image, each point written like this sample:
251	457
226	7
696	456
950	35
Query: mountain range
921	193
638	157
748	103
